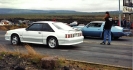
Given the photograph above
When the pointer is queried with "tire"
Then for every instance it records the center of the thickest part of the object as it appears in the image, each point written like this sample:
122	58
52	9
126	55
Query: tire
85	36
52	42
15	40
116	38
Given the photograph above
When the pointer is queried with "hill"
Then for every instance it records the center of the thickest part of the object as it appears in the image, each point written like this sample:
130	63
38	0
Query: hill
29	11
25	11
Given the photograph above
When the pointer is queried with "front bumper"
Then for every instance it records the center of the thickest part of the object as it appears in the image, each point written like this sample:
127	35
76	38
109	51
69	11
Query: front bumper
7	38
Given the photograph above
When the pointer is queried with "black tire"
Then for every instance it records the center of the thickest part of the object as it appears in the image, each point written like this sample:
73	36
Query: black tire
85	36
116	38
52	42
15	40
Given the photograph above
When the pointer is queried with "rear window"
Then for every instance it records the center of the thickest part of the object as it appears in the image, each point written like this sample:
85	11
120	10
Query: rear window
62	26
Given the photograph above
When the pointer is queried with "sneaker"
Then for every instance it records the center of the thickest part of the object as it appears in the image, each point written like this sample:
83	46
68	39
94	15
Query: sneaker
108	44
102	43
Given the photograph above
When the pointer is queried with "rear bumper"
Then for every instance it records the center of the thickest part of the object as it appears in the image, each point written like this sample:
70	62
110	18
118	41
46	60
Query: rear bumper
127	33
120	34
71	41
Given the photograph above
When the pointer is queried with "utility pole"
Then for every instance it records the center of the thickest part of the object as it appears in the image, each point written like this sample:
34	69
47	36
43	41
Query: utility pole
119	14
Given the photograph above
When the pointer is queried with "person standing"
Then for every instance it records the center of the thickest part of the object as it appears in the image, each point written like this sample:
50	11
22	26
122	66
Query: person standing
116	23
107	28
123	24
128	24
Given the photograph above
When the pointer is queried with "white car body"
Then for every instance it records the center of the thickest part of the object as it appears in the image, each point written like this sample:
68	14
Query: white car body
41	37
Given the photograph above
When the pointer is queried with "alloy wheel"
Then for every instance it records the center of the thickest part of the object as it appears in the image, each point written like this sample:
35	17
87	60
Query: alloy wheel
52	43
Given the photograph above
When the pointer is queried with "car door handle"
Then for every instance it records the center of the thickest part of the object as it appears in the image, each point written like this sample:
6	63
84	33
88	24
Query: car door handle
39	32
98	29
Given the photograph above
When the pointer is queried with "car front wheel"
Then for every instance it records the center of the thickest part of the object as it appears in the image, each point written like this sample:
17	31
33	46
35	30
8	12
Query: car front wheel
52	42
15	39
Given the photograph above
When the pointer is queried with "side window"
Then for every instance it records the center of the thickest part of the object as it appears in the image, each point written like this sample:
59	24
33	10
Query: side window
46	27
98	25
35	27
95	24
91	25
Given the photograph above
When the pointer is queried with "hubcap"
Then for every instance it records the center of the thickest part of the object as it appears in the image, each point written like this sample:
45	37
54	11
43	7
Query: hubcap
14	40
52	43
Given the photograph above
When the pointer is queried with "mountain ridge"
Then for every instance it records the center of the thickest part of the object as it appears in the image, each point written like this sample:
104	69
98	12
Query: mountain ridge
31	11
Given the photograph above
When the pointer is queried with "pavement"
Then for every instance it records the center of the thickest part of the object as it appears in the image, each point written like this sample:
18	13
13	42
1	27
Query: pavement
118	54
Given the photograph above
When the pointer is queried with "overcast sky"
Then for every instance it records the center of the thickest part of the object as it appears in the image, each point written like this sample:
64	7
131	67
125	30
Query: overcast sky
76	5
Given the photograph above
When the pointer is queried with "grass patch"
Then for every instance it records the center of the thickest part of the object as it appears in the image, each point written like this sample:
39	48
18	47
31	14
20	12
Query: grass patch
3	28
10	27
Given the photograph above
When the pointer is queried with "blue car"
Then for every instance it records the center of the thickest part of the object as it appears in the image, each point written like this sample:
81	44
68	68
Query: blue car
95	29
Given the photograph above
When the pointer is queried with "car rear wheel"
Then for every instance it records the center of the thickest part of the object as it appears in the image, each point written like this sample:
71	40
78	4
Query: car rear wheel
52	42
15	40
116	38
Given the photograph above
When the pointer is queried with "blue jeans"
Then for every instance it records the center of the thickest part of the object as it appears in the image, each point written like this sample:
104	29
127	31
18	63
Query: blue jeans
107	34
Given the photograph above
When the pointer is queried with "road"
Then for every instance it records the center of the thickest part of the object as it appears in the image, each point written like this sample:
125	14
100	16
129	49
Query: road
119	53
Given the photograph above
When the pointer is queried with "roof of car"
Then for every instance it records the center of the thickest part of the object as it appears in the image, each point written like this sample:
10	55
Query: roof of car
47	22
97	21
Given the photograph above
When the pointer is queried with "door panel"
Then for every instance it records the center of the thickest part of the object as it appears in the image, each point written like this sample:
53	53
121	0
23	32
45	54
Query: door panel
32	36
93	29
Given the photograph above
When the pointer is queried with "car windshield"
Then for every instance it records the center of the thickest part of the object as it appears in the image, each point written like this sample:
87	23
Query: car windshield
62	26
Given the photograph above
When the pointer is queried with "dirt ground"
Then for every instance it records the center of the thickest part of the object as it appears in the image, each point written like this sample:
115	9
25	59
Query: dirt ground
14	62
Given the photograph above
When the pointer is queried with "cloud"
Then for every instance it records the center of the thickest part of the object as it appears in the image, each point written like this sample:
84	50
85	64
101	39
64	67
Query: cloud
77	5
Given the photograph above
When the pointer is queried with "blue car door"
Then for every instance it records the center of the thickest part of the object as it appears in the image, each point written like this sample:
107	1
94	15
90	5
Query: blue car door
93	29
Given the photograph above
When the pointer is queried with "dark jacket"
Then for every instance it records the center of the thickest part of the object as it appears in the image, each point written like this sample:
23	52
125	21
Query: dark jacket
108	23
123	23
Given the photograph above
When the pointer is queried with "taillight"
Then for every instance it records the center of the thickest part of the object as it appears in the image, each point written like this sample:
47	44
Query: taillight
80	34
66	36
69	36
73	35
